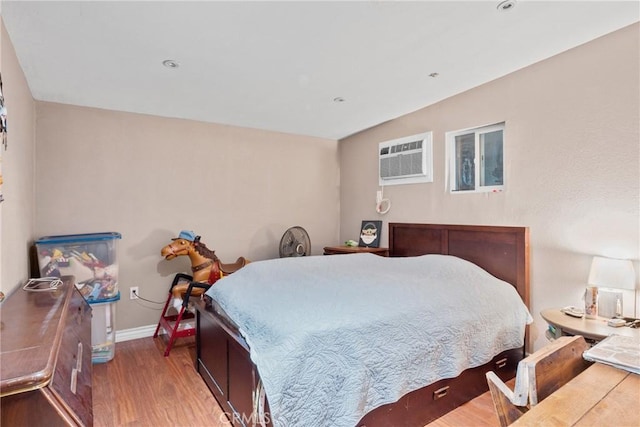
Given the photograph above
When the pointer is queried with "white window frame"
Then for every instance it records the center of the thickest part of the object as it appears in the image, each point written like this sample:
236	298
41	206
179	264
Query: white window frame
478	159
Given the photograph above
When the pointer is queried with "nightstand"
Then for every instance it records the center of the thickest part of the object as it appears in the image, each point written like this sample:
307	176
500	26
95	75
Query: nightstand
341	250
593	330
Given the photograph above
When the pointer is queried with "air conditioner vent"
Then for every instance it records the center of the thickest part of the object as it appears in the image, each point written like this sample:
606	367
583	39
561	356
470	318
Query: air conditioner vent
406	160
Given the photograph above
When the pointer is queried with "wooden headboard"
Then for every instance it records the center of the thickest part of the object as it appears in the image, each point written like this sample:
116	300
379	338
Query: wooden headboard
502	251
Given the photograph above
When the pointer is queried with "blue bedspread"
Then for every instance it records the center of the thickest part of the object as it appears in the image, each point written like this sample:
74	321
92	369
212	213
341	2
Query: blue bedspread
334	337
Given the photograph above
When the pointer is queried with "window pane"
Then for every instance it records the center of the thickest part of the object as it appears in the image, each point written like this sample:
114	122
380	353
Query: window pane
465	168
491	172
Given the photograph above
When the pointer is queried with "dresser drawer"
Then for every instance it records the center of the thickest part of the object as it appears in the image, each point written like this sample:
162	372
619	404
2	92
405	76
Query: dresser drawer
72	378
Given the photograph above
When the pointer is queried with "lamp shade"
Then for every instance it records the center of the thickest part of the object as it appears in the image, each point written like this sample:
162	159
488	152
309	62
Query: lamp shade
612	273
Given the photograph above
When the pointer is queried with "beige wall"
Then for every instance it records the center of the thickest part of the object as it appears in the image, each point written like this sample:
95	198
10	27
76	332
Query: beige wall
17	212
150	177
572	165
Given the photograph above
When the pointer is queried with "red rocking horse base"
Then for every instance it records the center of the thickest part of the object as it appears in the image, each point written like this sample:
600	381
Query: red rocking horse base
176	325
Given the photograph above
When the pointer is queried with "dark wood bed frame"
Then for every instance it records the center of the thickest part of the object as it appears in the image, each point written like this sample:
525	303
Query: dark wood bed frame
224	363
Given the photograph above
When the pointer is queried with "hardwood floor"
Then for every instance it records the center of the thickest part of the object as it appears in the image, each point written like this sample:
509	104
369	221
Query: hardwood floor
141	387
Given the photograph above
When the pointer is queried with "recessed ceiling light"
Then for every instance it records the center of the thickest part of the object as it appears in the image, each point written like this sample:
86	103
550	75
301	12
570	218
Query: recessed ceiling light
170	63
506	5
338	99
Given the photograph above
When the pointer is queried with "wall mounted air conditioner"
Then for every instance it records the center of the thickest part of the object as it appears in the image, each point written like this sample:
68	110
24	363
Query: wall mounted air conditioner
406	160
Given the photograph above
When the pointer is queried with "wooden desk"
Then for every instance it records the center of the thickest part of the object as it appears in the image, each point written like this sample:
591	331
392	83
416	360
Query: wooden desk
339	250
599	396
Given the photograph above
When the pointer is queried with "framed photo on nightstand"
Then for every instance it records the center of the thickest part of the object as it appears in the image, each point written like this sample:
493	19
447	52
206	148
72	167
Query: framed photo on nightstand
370	234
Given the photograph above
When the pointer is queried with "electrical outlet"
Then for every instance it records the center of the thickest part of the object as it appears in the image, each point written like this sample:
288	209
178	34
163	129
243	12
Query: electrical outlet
134	291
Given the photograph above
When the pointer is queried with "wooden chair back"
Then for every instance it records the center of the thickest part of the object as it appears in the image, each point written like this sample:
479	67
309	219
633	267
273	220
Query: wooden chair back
538	375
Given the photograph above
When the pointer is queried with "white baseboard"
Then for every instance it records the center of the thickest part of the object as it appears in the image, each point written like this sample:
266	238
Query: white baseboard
135	333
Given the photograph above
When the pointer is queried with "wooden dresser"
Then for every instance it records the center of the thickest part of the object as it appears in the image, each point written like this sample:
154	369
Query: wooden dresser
45	358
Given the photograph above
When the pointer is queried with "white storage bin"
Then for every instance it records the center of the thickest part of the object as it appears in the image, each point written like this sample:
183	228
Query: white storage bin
103	329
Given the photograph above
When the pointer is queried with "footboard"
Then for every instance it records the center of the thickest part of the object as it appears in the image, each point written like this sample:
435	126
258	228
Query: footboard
223	361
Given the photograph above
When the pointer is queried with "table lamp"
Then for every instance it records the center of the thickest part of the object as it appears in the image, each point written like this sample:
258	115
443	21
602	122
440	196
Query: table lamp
609	273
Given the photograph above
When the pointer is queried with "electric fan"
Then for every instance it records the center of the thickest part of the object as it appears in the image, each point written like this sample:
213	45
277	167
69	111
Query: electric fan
295	242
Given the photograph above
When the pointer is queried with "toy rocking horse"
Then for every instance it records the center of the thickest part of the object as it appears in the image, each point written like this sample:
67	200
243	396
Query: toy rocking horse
205	265
206	269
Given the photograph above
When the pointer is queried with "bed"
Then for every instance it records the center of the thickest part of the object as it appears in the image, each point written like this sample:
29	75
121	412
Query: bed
237	352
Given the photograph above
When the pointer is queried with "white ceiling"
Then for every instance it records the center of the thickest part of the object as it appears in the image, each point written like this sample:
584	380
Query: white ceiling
279	65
